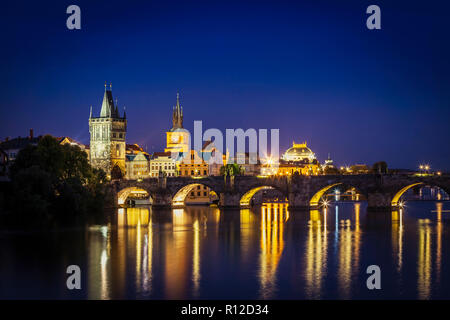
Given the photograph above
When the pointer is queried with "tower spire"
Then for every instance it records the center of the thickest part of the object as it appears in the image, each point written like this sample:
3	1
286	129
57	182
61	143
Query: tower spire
107	109
177	117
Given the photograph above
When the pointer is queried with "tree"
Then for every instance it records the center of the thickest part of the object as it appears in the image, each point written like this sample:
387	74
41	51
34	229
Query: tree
55	183
380	167
231	169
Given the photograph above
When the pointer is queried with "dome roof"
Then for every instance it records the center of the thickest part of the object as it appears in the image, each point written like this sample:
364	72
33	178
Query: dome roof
298	152
302	152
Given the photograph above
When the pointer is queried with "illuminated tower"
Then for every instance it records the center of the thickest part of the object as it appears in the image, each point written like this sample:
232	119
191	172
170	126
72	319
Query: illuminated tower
177	137
108	131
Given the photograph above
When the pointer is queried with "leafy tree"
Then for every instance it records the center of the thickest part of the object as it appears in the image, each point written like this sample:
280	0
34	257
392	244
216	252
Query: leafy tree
53	183
232	169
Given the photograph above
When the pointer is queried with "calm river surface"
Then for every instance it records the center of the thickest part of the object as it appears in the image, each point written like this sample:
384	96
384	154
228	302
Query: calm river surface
265	253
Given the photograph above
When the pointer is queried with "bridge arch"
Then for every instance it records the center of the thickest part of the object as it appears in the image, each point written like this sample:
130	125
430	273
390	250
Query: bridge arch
315	199
123	194
180	196
396	199
246	198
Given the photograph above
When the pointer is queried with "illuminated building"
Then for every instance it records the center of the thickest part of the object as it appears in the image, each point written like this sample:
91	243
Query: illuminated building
163	162
359	169
215	159
107	136
290	168
137	165
195	166
72	142
133	149
177	139
248	162
329	162
298	159
298	152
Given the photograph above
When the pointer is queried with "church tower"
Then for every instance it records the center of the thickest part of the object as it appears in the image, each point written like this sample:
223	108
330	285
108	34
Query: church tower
107	132
178	137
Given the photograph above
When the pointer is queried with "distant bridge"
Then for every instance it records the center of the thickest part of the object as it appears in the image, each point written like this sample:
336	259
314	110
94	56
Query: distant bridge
303	192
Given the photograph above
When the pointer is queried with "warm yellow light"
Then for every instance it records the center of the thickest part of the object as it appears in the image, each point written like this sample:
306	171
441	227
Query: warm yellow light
421	167
438	173
427	167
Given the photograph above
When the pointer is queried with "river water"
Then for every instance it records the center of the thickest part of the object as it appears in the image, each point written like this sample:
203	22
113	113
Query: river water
269	252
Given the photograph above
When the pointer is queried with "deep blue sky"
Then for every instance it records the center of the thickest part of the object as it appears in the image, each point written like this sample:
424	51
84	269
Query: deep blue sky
310	68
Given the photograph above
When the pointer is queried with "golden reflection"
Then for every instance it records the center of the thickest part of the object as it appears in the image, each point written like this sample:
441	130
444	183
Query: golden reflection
247	229
182	250
273	217
439	228
196	258
148	259
397	238
135	240
98	263
349	250
316	253
424	259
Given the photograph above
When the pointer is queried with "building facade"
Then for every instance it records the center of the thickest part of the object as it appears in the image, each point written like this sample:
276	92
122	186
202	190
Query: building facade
137	166
163	162
107	138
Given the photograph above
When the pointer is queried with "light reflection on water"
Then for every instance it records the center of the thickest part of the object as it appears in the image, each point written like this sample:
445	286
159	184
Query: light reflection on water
264	253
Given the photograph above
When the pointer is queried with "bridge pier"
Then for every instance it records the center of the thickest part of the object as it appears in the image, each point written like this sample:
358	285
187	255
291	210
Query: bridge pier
229	200
378	201
162	199
299	201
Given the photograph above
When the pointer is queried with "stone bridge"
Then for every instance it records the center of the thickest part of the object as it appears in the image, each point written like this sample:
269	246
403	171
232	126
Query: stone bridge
303	192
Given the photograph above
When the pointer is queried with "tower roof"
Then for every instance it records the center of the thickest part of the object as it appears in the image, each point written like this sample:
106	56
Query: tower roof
177	117
108	109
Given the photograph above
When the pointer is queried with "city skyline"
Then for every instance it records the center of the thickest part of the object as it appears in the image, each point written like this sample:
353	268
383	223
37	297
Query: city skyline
373	98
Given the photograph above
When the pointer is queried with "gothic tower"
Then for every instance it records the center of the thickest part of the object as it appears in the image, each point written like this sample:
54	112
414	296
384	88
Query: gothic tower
108	131
178	137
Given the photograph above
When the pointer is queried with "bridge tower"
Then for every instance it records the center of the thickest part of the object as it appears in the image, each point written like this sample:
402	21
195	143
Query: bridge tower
107	137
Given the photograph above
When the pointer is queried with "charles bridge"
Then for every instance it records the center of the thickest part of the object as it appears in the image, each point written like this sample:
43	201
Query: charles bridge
382	191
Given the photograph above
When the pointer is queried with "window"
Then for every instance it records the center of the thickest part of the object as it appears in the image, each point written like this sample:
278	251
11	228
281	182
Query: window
198	187
204	172
204	193
199	193
121	135
192	172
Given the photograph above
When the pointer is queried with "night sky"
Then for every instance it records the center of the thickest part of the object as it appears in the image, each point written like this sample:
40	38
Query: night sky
310	68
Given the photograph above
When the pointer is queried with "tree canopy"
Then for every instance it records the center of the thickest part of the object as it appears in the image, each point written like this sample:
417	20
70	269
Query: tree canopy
54	183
